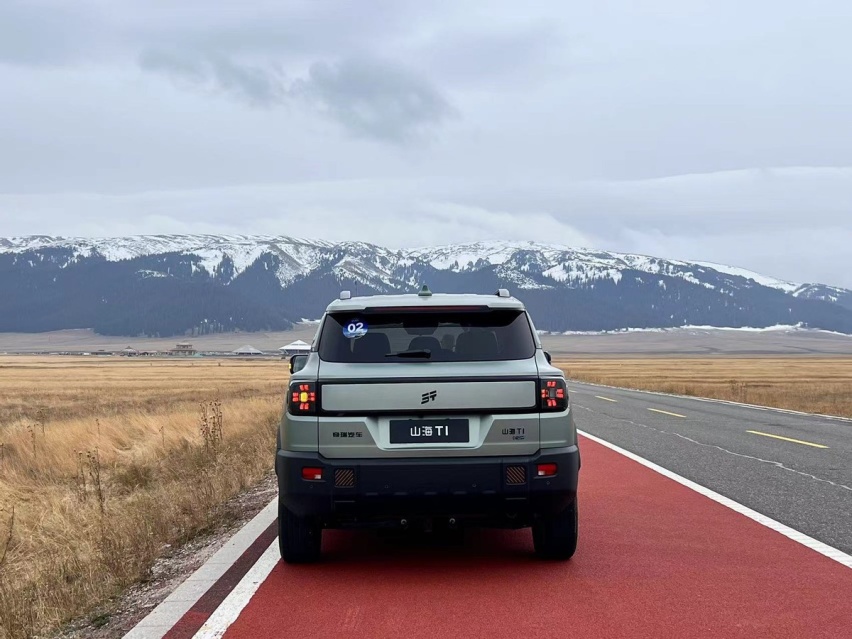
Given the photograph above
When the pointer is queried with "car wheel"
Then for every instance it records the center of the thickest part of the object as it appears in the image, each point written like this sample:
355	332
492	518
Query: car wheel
555	536
299	538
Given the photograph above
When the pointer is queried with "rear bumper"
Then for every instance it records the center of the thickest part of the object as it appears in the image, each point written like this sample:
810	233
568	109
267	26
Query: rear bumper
493	491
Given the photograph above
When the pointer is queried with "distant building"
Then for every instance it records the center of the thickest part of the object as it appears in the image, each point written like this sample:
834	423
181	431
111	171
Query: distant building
247	350
183	348
129	352
293	348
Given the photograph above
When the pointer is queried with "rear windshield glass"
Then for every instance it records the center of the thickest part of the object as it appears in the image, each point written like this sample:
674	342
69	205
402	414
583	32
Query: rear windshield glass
440	336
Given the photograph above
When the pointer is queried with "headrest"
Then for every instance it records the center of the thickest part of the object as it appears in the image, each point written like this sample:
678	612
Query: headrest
477	344
425	342
371	346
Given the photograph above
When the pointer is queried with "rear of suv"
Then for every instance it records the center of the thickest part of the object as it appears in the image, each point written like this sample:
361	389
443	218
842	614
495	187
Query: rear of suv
422	409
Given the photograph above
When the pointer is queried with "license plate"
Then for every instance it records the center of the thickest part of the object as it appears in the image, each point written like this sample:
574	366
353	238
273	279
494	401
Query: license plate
429	431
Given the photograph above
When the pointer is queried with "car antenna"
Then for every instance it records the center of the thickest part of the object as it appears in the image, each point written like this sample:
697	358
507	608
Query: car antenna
425	292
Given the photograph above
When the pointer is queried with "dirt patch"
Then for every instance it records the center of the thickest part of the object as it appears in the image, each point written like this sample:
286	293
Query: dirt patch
118	617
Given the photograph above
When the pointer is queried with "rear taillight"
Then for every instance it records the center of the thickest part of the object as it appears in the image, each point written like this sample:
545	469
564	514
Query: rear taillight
546	470
553	395
309	473
302	398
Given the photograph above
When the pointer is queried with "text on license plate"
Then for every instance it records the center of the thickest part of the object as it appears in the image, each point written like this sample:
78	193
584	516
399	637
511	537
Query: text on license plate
416	431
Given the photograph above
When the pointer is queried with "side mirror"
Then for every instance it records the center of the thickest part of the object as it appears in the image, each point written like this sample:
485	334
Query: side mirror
547	357
298	362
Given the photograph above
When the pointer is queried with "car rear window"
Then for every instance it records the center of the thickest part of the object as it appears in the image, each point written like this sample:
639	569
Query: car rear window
427	336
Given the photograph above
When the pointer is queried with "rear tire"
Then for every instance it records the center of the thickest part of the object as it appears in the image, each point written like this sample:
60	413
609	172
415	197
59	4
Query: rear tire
299	538
555	536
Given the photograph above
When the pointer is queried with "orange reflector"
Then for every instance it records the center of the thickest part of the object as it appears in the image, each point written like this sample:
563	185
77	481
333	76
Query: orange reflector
311	474
546	470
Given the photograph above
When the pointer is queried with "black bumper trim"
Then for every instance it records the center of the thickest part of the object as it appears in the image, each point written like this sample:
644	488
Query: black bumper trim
473	488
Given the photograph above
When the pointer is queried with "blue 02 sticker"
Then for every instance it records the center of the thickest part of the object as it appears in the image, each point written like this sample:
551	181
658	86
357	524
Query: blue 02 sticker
355	328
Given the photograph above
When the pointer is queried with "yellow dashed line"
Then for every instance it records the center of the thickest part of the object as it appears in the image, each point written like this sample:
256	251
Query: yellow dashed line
606	399
786	439
665	412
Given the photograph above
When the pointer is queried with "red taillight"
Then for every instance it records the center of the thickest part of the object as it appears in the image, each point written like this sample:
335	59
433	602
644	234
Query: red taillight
302	399
553	395
312	474
546	470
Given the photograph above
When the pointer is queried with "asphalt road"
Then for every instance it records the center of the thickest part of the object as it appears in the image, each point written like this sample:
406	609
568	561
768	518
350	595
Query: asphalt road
805	484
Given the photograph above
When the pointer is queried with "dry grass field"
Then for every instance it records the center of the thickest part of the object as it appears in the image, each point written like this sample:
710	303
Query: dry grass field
815	385
105	461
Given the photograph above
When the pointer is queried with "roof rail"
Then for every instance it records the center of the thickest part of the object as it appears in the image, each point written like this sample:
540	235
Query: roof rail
345	295
503	292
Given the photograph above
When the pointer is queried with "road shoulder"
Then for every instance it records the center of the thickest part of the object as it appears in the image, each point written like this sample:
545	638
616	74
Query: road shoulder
180	570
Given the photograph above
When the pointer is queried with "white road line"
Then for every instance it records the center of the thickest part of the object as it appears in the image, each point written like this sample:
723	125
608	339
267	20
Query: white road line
823	549
233	605
714	401
160	620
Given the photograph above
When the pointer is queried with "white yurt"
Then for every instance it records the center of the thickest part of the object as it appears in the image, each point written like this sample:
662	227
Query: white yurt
247	350
293	348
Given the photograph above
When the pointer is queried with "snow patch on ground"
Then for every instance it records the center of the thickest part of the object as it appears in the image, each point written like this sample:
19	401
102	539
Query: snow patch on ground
787	328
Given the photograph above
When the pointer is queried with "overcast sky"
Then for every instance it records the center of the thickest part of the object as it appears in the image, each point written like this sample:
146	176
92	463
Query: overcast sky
697	129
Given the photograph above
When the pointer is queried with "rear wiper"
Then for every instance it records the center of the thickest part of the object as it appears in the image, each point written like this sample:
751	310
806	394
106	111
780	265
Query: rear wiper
425	353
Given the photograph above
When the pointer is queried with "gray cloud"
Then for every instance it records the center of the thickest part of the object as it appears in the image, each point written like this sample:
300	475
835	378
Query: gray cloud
369	97
259	86
374	98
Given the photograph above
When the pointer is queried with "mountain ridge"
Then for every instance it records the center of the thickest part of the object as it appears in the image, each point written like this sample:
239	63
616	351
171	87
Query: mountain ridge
237	281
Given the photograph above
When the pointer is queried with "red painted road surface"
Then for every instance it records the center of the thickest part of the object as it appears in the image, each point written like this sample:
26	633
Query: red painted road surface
655	559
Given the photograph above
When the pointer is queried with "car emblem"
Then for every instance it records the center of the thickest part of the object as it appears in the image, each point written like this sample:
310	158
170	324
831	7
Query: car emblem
425	398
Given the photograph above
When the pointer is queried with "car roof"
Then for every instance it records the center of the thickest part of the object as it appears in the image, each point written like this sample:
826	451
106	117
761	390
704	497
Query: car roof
414	300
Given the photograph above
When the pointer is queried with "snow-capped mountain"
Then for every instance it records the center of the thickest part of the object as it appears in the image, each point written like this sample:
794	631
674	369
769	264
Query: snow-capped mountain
174	283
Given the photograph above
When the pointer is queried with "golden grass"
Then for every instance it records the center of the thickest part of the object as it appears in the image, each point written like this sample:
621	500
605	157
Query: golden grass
103	463
814	385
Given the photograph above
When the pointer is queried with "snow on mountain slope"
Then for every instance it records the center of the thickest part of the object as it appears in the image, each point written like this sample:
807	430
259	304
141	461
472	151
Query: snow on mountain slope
820	291
297	256
763	280
559	263
527	265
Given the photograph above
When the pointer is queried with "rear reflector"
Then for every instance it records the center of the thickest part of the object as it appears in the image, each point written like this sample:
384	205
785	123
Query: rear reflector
546	470
344	478
516	475
312	474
